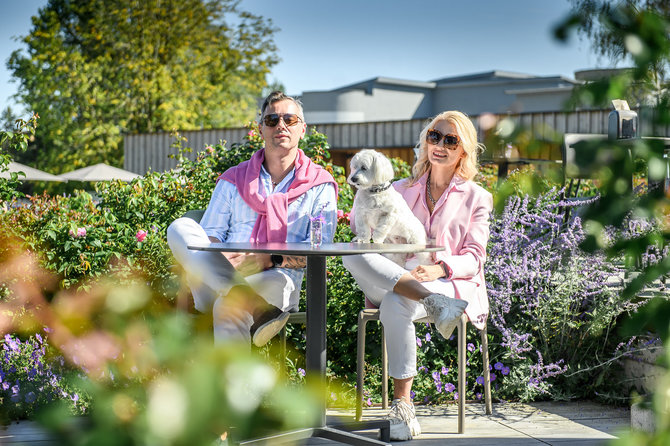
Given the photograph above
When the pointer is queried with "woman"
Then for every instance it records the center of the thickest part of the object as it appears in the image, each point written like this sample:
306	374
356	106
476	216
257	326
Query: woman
455	212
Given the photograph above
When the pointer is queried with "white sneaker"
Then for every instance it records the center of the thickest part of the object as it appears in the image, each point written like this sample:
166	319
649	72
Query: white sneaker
444	311
267	325
404	424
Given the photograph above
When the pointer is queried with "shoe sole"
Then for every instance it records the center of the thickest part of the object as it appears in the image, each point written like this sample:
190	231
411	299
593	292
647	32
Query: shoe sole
402	432
415	427
405	432
269	330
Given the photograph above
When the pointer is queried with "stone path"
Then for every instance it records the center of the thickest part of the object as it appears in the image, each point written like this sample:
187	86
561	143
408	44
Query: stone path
549	423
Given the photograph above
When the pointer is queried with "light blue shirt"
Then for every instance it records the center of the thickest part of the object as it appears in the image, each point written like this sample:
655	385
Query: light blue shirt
230	219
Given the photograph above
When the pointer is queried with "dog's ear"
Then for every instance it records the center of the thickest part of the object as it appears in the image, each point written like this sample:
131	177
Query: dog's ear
383	167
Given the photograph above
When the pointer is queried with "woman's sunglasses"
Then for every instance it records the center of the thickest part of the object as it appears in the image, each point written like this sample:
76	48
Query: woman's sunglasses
289	119
451	141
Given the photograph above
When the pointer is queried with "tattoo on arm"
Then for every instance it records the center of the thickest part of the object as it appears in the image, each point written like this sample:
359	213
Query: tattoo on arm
294	262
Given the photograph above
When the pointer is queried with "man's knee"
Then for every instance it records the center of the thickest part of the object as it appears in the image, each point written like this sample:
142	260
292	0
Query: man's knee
178	228
180	233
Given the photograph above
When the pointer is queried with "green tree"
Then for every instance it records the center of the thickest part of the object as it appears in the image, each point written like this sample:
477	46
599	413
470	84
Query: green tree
12	142
622	31
7	120
95	69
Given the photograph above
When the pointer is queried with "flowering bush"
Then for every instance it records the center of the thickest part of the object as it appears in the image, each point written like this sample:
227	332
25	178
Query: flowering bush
553	305
32	376
123	229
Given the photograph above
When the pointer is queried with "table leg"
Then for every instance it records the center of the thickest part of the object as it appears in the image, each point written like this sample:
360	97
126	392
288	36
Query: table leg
315	355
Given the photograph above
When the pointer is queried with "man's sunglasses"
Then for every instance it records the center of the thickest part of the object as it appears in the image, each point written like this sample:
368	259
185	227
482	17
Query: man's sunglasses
451	141
289	119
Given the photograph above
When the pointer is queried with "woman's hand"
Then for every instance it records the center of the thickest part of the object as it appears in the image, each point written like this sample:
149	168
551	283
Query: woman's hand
427	273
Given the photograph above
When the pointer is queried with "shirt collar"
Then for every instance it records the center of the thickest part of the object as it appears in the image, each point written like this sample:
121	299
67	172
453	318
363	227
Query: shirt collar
266	179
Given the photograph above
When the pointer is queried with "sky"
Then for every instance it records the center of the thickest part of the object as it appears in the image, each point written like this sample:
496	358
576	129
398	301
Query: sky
329	44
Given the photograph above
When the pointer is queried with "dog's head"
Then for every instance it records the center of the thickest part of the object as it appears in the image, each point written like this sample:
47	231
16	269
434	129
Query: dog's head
369	168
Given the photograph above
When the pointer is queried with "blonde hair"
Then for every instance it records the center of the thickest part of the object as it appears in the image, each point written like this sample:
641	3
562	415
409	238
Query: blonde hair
468	166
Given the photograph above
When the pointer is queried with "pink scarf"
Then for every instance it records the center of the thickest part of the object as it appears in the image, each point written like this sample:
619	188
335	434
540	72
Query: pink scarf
271	224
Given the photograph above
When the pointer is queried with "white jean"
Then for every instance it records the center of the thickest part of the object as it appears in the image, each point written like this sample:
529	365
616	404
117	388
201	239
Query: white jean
210	276
377	275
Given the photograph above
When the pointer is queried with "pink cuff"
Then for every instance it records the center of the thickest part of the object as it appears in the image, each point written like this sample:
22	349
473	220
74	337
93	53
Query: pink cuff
447	271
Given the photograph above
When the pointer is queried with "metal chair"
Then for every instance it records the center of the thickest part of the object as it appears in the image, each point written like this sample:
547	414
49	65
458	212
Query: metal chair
372	314
194	214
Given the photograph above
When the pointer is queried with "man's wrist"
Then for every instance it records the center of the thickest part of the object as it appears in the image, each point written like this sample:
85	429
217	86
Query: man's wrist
276	260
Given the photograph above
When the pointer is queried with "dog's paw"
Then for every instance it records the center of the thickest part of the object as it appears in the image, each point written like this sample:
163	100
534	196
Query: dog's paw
358	239
425	258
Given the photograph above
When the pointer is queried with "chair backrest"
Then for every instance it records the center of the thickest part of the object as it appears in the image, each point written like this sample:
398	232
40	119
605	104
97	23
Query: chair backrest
195	214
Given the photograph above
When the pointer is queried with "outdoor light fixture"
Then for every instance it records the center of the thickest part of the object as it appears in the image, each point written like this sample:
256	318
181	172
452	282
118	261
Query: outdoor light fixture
623	122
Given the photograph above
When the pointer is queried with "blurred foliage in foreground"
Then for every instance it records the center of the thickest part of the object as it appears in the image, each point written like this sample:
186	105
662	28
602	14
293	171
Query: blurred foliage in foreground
145	373
639	31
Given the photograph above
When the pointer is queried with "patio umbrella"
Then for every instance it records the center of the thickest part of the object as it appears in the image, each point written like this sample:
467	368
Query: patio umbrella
32	174
99	172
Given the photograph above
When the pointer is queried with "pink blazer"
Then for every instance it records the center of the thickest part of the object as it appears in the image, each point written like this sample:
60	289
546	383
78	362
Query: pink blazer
460	222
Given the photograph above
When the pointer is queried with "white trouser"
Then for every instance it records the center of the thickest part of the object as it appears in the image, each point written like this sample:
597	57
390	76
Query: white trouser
211	276
377	275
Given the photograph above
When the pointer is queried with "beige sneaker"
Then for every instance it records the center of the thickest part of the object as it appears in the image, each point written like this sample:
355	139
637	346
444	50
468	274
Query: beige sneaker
444	311
404	424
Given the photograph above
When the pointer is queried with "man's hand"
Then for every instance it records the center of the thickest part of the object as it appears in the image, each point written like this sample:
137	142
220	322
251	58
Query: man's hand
427	273
249	263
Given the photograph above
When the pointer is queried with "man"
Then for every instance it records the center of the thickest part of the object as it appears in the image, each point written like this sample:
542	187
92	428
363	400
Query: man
270	198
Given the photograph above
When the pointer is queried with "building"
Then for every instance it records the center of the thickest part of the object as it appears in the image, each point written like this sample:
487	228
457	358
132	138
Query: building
386	99
387	114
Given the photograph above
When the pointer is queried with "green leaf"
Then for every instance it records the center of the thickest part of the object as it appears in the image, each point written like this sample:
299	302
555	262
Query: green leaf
97	69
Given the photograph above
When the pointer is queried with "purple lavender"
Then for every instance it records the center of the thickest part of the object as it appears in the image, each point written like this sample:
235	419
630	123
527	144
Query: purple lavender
546	294
31	377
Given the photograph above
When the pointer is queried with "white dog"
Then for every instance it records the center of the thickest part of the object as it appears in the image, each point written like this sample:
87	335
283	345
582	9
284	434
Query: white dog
381	213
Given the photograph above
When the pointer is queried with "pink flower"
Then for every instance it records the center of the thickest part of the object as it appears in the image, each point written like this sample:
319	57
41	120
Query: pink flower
81	232
251	133
341	214
141	235
209	149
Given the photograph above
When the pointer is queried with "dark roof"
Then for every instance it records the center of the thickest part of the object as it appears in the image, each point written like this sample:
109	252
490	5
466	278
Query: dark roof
485	76
381	80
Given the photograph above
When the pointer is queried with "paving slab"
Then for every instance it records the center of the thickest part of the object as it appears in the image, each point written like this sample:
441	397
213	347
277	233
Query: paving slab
546	423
